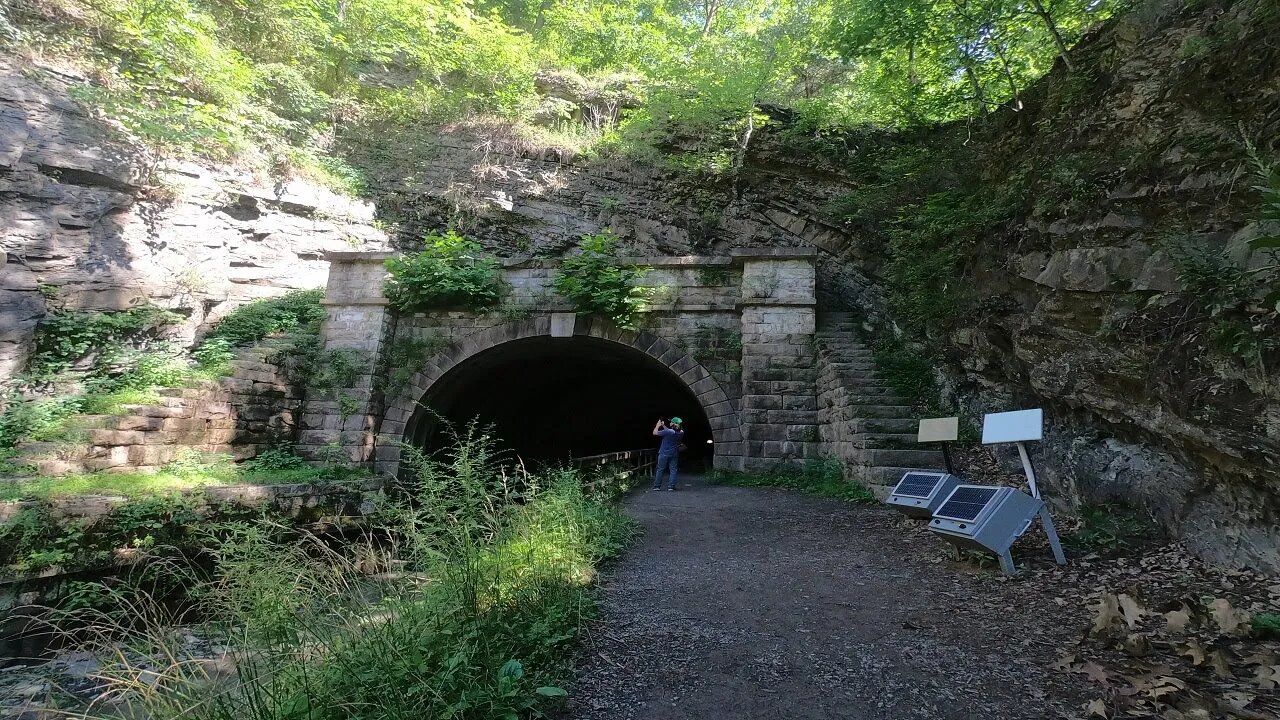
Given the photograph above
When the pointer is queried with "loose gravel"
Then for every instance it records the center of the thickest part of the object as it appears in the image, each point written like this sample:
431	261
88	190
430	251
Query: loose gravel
760	603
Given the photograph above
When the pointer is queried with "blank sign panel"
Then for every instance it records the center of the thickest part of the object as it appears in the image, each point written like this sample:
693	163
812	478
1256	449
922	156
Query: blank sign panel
1016	426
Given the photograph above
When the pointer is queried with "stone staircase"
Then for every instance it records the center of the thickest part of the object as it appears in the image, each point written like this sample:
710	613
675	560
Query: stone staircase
862	422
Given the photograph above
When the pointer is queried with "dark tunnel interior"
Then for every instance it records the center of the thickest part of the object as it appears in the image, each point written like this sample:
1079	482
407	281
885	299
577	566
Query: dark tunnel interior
552	399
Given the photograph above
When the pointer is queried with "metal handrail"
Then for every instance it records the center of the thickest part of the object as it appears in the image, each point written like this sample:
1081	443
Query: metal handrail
630	464
645	457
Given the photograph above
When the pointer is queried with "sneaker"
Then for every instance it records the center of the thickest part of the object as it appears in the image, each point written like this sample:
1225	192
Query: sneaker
654	488
671	489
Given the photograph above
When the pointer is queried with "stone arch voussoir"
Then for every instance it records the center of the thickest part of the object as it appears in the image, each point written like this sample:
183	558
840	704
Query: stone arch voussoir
725	424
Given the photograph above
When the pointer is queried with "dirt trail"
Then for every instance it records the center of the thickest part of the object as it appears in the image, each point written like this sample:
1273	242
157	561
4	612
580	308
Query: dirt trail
742	603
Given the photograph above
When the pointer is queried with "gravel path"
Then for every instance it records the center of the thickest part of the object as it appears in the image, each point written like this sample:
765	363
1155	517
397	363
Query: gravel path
742	603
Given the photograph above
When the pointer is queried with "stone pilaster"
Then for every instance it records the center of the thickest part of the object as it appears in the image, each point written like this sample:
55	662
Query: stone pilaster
359	319
779	401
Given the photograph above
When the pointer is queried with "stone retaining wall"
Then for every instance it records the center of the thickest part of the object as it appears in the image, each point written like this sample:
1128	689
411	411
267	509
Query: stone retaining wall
239	415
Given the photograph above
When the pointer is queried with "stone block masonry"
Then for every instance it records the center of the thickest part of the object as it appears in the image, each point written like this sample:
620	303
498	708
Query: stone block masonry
240	416
862	422
738	331
779	402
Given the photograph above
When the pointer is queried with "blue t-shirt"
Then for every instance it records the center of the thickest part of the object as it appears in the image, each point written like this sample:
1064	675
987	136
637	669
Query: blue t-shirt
670	441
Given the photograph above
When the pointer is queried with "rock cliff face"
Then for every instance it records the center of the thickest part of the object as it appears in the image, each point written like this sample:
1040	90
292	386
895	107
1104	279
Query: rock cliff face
90	221
1085	313
1156	400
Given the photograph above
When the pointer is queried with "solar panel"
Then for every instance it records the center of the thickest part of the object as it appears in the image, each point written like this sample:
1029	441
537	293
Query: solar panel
979	517
920	492
919	485
966	502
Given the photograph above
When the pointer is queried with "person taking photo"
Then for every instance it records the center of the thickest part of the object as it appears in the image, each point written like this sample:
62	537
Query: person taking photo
668	452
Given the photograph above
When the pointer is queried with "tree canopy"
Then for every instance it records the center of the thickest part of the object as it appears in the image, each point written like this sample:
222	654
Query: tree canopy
279	79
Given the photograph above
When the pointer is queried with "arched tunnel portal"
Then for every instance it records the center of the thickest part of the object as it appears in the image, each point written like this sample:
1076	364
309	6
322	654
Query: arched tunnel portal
550	399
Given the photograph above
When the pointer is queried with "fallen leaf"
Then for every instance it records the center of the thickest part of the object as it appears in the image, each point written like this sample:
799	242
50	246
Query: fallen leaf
1133	611
1232	621
1195	651
1176	621
1238	699
1106	613
1267	677
1221	666
1096	708
1064	663
1262	657
1165	685
1095	672
1137	645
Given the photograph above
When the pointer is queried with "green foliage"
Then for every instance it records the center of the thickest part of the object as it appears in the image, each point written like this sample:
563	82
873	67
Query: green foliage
450	272
930	243
907	371
823	477
327	630
926	61
338	368
1266	625
299	310
407	355
596	282
189	471
67	337
1113	528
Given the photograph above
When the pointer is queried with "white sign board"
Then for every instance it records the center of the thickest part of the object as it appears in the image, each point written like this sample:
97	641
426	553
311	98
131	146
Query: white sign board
1016	426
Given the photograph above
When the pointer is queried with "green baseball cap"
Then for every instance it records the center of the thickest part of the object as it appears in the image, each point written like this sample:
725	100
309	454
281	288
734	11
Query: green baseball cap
676	420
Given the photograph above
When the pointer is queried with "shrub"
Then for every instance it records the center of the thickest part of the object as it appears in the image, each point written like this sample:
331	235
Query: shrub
35	419
451	271
1113	528
313	633
252	322
66	337
596	282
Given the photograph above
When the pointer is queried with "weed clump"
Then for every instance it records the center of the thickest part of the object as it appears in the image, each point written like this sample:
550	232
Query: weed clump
817	477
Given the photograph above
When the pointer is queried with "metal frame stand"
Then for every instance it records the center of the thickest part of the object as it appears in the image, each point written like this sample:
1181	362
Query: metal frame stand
1006	563
1049	530
1045	518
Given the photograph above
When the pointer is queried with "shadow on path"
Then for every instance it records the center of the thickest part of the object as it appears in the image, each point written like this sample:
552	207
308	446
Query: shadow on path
741	603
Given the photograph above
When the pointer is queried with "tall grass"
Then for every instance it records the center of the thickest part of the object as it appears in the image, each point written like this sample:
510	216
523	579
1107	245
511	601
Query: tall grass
463	602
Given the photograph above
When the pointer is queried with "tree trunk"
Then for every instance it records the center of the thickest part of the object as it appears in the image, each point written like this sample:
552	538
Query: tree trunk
743	145
1008	76
978	97
1053	30
709	8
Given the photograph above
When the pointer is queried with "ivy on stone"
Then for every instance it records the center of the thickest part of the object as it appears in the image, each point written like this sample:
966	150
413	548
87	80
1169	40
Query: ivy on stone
450	272
597	282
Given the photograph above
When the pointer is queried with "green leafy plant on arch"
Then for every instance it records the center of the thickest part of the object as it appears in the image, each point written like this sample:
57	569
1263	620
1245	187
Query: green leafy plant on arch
596	281
450	272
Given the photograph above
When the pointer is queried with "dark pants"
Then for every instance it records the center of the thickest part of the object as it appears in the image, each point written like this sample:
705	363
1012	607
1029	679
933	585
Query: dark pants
665	463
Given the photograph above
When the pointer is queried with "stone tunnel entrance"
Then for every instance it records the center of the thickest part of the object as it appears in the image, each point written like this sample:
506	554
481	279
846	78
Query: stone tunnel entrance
552	399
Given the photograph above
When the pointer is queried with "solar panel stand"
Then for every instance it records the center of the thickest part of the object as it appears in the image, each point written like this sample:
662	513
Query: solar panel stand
1028	469
1056	545
1020	427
